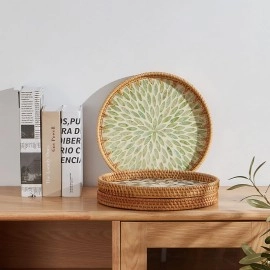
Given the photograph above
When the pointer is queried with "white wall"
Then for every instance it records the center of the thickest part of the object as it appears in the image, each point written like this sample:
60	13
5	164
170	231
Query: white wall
77	49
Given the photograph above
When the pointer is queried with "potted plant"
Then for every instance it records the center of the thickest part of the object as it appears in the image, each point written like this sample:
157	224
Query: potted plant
254	260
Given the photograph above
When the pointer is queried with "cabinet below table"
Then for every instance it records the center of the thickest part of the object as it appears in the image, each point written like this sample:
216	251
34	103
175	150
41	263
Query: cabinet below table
80	233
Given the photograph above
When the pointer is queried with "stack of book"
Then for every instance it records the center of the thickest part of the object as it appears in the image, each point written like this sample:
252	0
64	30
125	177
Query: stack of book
51	147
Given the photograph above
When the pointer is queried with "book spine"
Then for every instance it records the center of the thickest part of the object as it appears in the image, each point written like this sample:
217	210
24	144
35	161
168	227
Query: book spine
51	153
10	137
71	151
30	150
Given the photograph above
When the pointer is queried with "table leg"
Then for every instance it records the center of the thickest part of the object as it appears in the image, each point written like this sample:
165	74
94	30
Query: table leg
116	227
133	246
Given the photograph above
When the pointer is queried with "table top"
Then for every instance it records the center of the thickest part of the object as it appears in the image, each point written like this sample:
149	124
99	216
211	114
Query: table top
229	208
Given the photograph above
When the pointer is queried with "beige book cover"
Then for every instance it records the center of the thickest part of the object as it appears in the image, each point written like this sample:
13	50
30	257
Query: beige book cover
51	152
10	138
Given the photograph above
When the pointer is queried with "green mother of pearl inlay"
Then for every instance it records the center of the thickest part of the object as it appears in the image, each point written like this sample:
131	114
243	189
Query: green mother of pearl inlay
155	123
155	182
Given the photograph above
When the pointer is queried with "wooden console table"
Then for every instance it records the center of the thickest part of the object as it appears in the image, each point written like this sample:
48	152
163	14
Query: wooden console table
93	236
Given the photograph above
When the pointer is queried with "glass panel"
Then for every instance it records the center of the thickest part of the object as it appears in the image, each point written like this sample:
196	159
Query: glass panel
194	258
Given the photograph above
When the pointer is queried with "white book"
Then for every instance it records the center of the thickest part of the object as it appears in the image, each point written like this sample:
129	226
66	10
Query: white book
72	151
31	100
51	151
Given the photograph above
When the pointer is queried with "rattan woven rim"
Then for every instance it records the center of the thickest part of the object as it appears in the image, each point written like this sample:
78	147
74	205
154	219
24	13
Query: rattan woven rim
106	155
157	204
210	184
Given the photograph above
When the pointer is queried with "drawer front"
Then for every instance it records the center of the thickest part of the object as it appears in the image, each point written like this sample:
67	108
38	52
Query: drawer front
136	237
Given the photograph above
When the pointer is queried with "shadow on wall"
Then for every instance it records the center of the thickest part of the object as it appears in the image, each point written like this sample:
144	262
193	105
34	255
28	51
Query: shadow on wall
93	162
10	138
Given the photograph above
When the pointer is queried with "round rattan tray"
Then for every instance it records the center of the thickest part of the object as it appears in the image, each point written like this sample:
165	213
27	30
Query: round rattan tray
153	130
153	121
156	204
168	190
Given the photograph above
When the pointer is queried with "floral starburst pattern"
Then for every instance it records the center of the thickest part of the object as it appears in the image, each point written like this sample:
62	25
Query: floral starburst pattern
154	123
155	182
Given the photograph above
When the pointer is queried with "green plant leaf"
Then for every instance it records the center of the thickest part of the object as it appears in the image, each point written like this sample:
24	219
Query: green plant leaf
250	197
238	186
246	267
256	266
266	248
267	240
239	176
258	203
250	167
257	170
252	258
265	255
247	249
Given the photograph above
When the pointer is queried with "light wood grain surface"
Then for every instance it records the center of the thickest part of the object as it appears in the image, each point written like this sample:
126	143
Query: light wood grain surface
116	244
58	244
86	234
14	207
137	237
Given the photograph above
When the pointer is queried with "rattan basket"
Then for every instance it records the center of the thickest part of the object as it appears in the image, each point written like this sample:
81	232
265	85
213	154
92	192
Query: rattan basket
155	128
138	129
112	192
157	204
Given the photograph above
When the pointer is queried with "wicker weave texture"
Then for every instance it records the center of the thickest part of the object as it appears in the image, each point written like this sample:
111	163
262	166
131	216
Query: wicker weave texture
107	184
139	143
157	204
116	152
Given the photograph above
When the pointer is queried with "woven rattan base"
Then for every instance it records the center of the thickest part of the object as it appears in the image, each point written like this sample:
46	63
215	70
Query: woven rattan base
140	190
157	204
111	184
